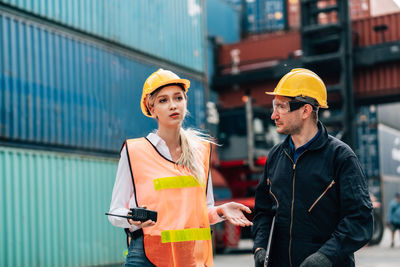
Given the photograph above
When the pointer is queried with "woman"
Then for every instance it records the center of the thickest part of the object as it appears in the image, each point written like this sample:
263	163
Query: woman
168	171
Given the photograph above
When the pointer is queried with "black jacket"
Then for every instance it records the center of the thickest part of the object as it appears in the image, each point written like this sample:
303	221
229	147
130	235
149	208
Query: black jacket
323	203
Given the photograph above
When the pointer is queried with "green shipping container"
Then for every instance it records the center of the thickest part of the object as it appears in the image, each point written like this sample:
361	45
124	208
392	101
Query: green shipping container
52	210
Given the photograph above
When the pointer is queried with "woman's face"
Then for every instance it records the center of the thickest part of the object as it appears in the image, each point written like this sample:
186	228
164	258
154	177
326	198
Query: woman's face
169	106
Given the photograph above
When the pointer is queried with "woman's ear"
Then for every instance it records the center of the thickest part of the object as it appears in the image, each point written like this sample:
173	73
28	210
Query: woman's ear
151	109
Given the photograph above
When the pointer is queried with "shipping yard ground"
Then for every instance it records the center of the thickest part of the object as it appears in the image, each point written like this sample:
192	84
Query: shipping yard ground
375	256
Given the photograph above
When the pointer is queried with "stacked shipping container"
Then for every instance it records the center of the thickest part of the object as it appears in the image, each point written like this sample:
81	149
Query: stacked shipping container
52	210
369	82
378	149
261	16
156	28
71	82
60	89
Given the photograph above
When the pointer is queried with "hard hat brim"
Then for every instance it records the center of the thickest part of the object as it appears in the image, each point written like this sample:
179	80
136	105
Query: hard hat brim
273	93
184	82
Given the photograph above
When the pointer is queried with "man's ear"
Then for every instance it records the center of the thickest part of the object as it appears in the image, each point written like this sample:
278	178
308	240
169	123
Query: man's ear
307	111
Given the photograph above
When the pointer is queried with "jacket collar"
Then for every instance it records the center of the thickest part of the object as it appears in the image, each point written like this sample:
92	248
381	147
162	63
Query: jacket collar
317	144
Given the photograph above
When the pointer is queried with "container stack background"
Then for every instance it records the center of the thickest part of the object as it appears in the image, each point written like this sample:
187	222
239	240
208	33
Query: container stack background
71	75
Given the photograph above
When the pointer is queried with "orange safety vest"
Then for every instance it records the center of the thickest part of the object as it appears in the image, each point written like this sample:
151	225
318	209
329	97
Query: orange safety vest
182	236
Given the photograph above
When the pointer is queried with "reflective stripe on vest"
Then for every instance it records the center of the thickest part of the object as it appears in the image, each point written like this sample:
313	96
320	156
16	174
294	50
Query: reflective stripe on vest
185	235
175	182
181	236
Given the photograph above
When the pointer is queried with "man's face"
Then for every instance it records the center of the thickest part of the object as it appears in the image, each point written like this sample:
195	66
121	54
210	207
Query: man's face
286	121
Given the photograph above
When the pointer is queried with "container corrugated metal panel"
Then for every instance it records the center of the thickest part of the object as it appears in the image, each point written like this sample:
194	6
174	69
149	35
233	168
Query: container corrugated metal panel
223	20
261	48
58	89
379	80
172	30
359	9
366	146
367	36
293	14
52	210
265	15
254	49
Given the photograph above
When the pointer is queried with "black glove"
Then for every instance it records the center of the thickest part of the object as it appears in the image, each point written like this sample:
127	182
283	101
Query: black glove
259	257
316	259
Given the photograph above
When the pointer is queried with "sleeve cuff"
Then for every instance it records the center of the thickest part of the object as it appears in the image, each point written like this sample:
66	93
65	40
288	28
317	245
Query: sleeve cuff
213	215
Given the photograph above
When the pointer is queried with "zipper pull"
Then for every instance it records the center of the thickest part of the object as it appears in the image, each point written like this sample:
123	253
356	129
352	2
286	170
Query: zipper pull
294	166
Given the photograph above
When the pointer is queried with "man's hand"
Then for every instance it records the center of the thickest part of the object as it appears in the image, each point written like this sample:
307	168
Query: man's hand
316	259
259	257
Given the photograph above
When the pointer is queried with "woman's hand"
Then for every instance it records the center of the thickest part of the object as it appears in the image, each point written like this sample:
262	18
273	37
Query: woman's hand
233	212
140	224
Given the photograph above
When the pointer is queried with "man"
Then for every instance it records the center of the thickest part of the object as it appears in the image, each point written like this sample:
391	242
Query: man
394	216
313	181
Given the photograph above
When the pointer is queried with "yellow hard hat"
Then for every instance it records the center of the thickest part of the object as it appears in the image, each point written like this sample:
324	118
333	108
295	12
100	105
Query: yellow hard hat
156	80
303	83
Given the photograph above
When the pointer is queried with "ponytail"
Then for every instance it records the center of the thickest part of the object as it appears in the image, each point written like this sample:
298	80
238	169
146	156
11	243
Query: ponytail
192	142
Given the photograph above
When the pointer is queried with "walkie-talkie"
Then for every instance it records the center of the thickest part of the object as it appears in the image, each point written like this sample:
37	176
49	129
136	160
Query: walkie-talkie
138	214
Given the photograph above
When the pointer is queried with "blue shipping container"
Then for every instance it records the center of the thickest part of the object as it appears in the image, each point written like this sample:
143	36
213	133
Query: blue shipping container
223	21
261	16
172	30
62	89
367	146
223	25
265	15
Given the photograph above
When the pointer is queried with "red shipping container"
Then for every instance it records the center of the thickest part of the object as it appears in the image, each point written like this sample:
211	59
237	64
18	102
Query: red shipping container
377	81
365	29
369	84
265	48
358	9
260	49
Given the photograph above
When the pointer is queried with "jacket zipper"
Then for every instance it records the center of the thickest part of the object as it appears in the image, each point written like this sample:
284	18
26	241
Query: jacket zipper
272	194
323	193
291	209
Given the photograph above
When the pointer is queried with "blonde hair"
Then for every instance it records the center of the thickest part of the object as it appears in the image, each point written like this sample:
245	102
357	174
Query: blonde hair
193	143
